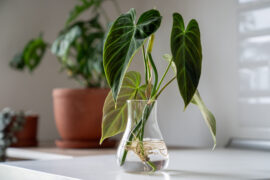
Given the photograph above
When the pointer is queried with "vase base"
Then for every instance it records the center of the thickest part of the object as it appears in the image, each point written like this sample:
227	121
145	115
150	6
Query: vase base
85	144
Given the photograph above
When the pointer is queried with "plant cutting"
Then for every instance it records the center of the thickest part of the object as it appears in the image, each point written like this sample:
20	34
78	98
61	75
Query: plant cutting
130	107
79	49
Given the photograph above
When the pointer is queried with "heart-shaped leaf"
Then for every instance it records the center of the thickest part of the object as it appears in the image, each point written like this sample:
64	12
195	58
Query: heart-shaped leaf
187	55
207	115
123	40
115	117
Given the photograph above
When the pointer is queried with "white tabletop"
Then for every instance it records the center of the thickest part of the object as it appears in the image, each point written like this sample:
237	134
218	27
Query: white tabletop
184	164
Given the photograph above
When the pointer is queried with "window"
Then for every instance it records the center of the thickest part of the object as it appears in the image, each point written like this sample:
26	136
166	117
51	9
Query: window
254	67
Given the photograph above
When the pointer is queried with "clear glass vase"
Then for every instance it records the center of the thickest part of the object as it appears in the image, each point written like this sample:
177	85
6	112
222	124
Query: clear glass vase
142	147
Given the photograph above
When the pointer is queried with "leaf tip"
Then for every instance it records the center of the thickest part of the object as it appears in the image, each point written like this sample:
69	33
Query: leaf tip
214	146
101	140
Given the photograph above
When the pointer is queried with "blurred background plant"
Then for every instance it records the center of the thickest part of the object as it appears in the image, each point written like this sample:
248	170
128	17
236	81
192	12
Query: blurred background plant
10	123
78	47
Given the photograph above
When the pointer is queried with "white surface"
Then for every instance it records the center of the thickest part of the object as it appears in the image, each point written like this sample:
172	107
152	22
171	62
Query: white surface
184	164
33	155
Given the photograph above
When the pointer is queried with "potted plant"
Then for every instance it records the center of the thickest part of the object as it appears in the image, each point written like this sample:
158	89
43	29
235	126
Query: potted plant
142	147
78	112
10	123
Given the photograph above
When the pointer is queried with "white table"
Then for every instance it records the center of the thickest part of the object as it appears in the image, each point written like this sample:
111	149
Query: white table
184	164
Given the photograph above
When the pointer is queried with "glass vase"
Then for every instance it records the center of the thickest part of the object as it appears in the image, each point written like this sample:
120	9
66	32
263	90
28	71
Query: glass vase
142	148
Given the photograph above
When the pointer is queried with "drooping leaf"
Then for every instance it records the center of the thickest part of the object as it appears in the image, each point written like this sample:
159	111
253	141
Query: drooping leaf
207	115
115	117
187	55
168	58
123	40
197	100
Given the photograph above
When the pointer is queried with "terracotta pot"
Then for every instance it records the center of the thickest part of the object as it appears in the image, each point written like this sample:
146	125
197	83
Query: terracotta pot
78	116
27	137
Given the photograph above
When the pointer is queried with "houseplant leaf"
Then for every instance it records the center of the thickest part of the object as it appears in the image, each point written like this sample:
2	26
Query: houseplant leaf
34	52
207	115
79	9
62	44
31	55
122	42
187	55
115	118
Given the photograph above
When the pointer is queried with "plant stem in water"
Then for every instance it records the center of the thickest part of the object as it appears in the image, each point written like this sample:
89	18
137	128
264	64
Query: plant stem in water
140	126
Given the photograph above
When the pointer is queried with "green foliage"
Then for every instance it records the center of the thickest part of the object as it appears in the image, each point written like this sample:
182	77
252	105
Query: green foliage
31	56
187	56
115	115
125	37
79	50
79	46
79	9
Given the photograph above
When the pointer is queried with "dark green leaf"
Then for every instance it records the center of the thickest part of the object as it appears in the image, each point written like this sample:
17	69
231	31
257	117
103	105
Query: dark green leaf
115	118
122	42
187	55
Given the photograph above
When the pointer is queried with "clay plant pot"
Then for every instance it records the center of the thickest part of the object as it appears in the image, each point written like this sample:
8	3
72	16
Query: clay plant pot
27	136
78	117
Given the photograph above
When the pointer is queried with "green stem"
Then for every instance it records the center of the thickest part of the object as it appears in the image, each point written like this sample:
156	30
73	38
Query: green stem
145	65
145	116
140	124
152	165
129	141
155	72
167	69
162	89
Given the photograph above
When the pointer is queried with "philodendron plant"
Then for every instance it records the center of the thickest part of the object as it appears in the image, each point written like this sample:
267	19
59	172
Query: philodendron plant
124	39
78	46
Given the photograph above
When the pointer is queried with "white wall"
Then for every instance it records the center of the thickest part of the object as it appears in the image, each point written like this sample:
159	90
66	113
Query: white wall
20	21
218	84
23	19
